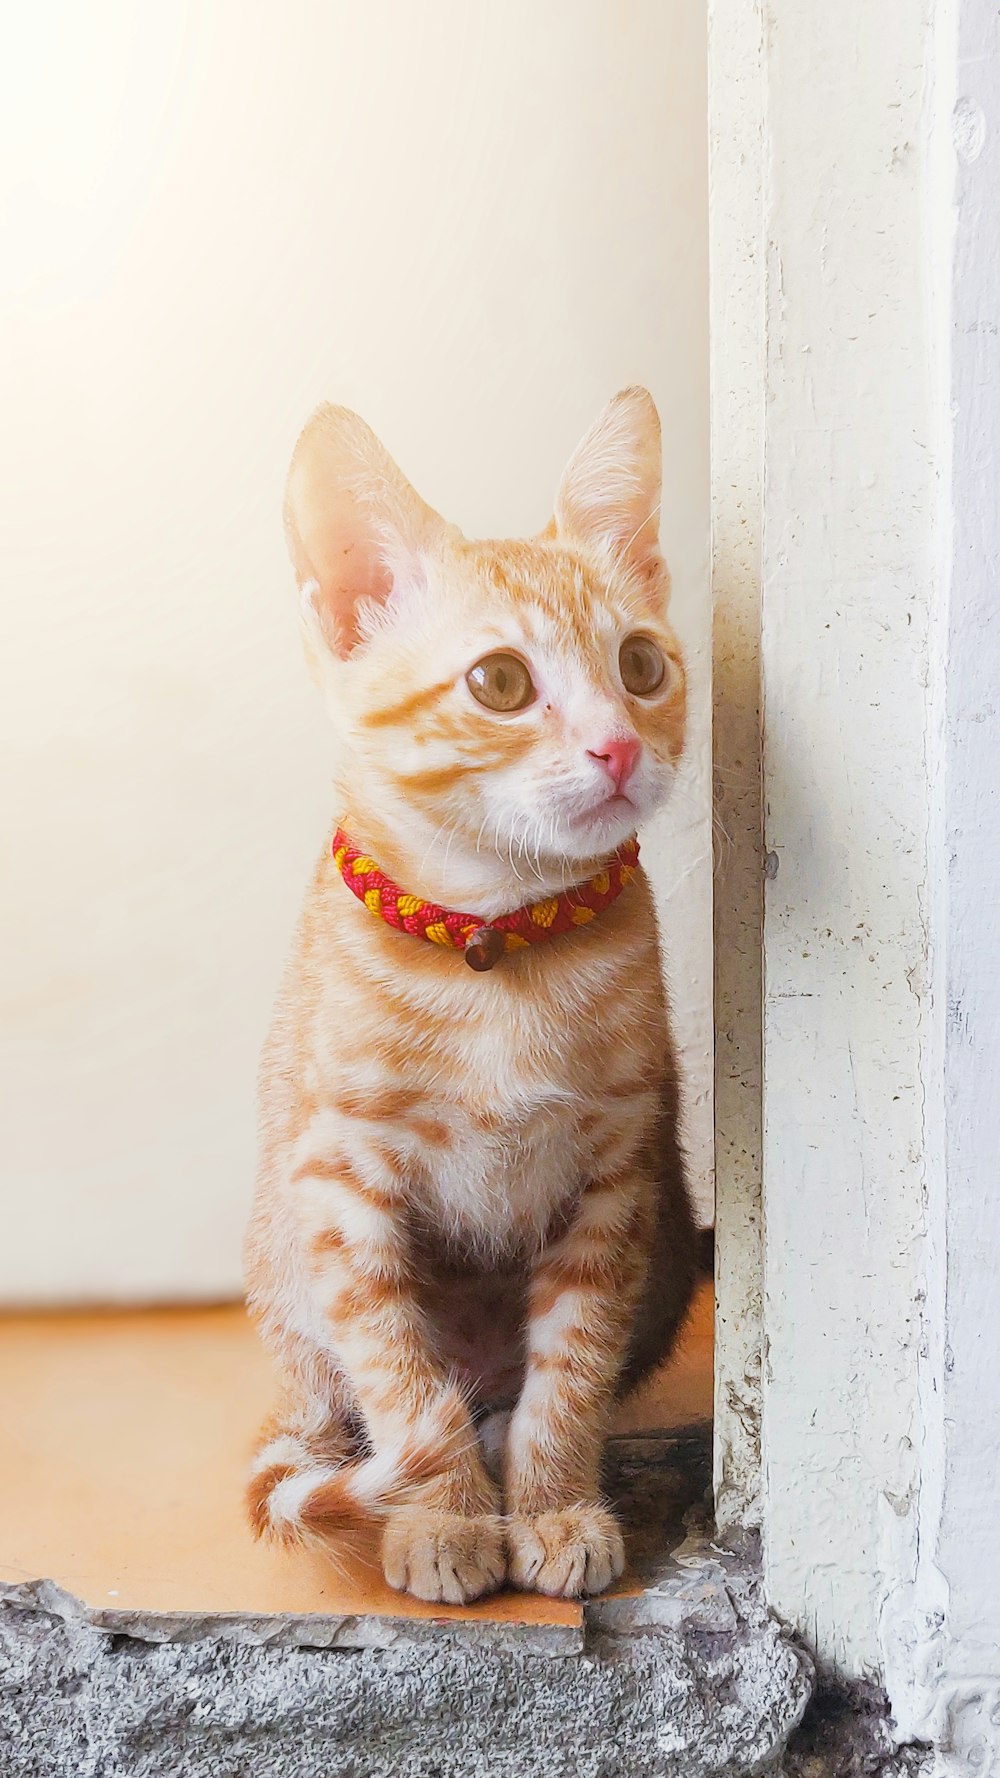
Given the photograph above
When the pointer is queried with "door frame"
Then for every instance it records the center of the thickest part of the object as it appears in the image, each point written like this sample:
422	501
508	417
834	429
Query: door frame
855	265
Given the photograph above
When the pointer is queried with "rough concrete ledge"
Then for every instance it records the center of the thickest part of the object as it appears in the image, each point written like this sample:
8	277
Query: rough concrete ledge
665	1703
353	1630
691	1676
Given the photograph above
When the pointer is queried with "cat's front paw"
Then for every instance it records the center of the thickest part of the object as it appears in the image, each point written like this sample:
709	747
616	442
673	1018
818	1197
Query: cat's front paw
443	1556
576	1550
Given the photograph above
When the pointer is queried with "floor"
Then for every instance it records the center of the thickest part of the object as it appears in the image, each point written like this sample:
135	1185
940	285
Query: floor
123	1441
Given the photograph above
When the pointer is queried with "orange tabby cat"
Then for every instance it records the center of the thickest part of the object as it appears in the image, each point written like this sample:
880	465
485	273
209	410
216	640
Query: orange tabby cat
471	1231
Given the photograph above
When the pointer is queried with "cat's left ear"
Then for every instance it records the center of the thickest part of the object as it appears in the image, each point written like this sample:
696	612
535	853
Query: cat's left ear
609	496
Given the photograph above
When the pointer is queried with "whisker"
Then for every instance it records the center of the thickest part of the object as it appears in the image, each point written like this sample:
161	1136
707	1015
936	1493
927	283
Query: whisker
437	836
447	852
522	847
510	855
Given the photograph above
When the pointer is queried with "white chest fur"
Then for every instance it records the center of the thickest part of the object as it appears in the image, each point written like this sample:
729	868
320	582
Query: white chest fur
503	1176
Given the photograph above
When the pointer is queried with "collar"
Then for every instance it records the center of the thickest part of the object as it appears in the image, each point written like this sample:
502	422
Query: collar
484	942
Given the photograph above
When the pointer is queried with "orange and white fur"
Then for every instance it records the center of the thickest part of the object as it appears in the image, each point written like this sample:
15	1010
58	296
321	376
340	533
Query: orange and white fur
471	1233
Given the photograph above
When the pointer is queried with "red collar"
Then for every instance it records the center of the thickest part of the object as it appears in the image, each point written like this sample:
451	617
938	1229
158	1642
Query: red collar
484	942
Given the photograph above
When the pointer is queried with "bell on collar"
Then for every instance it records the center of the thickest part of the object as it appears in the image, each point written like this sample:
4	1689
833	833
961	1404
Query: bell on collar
484	947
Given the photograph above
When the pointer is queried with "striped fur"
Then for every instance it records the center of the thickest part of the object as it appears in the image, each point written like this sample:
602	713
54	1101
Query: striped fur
470	1206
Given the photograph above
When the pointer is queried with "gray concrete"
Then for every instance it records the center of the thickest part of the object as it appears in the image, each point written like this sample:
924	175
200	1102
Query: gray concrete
78	1703
847	1732
692	1677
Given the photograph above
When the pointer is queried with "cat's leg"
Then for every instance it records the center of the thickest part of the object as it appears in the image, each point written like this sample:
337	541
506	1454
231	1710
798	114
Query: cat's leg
444	1538
585	1286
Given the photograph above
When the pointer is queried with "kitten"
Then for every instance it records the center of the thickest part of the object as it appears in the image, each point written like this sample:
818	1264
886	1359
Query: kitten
471	1232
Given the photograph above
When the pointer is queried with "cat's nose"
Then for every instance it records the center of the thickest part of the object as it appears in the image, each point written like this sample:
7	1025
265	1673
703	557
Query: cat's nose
618	759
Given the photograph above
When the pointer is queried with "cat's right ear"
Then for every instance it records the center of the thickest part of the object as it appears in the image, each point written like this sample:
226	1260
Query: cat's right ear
356	530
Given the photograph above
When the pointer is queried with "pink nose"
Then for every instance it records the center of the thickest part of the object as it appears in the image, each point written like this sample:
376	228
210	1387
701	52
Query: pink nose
618	759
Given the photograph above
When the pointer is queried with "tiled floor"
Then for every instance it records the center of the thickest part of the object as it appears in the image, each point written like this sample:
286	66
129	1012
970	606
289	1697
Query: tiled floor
122	1447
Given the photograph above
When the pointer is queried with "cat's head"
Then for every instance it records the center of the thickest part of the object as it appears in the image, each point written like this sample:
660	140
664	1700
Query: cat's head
516	707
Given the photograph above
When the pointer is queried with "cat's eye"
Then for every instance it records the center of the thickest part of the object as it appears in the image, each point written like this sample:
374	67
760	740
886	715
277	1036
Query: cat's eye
501	682
641	665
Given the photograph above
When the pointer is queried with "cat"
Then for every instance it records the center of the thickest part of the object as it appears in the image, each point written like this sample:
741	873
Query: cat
471	1233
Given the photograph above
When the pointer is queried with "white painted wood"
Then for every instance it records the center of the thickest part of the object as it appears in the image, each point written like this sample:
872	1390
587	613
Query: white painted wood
847	585
942	1634
874	196
736	137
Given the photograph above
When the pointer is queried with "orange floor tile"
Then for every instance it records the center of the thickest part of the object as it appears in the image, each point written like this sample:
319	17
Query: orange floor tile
123	1441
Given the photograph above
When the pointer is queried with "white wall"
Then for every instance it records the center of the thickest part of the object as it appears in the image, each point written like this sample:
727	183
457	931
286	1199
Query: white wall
474	224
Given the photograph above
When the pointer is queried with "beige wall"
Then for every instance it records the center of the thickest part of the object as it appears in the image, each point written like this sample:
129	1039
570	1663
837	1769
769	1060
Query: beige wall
471	222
